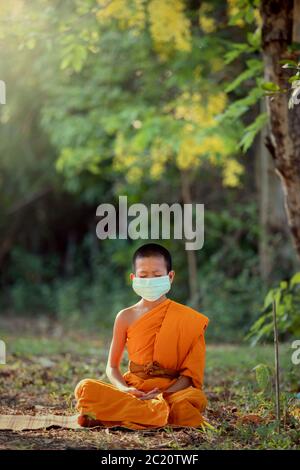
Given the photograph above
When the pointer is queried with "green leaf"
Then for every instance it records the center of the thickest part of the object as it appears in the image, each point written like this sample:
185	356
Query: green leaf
254	66
249	16
294	78
255	38
270	86
262	374
269	298
295	46
239	107
236	51
252	130
295	279
288	64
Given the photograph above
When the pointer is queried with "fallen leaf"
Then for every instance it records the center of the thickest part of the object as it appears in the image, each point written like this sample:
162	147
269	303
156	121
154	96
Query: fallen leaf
251	419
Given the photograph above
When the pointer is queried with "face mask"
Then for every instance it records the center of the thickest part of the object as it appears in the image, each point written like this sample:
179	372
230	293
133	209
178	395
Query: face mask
151	288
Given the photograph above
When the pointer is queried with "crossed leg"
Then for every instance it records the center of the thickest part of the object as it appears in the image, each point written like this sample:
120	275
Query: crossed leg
186	407
106	403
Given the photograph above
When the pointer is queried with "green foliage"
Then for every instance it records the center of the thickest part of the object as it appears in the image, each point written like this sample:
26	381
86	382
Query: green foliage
31	288
254	66
270	86
244	11
229	303
92	290
80	86
252	130
242	105
262	374
230	290
287	299
255	88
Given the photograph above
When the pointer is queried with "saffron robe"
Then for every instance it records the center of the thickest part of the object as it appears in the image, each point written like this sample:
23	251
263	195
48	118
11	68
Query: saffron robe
173	335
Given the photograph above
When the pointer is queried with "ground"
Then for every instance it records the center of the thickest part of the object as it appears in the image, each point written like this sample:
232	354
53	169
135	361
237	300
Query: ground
46	360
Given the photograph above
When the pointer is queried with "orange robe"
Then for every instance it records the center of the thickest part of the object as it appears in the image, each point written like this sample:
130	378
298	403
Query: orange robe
173	335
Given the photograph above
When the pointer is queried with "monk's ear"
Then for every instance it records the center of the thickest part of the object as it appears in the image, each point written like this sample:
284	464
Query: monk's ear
171	275
131	276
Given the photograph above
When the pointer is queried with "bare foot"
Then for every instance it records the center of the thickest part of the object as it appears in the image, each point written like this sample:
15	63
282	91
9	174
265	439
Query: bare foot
87	422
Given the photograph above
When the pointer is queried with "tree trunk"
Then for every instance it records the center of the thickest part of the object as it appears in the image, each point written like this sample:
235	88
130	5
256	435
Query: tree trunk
274	246
263	186
284	139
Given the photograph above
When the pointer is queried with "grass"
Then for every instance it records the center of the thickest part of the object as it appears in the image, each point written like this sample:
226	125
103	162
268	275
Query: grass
45	363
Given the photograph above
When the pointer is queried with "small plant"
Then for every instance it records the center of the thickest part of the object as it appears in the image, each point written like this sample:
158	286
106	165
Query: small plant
263	376
287	298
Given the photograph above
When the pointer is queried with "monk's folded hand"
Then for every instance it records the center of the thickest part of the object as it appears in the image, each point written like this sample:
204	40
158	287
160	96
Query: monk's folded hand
151	394
134	391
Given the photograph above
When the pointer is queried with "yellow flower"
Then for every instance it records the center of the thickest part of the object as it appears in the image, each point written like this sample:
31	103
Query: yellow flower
208	25
156	170
160	152
233	10
213	144
216	64
296	413
257	17
197	72
231	173
128	13
216	103
206	7
190	108
169	26
134	174
189	153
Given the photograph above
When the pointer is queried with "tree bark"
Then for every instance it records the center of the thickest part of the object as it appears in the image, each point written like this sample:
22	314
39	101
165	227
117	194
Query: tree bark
263	186
279	17
274	234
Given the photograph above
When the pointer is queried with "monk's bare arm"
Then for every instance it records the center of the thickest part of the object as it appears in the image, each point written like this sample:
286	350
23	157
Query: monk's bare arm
115	355
181	383
116	352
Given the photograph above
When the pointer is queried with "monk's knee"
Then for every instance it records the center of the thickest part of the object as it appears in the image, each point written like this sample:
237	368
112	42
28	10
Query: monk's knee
82	387
192	395
198	398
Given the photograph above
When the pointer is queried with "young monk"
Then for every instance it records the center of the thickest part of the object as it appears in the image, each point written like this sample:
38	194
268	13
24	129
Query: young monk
166	351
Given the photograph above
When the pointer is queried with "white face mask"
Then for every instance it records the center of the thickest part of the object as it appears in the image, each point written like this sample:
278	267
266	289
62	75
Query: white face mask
151	288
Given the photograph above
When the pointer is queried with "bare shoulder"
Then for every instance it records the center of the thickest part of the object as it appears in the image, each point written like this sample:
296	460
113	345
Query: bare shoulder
125	316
